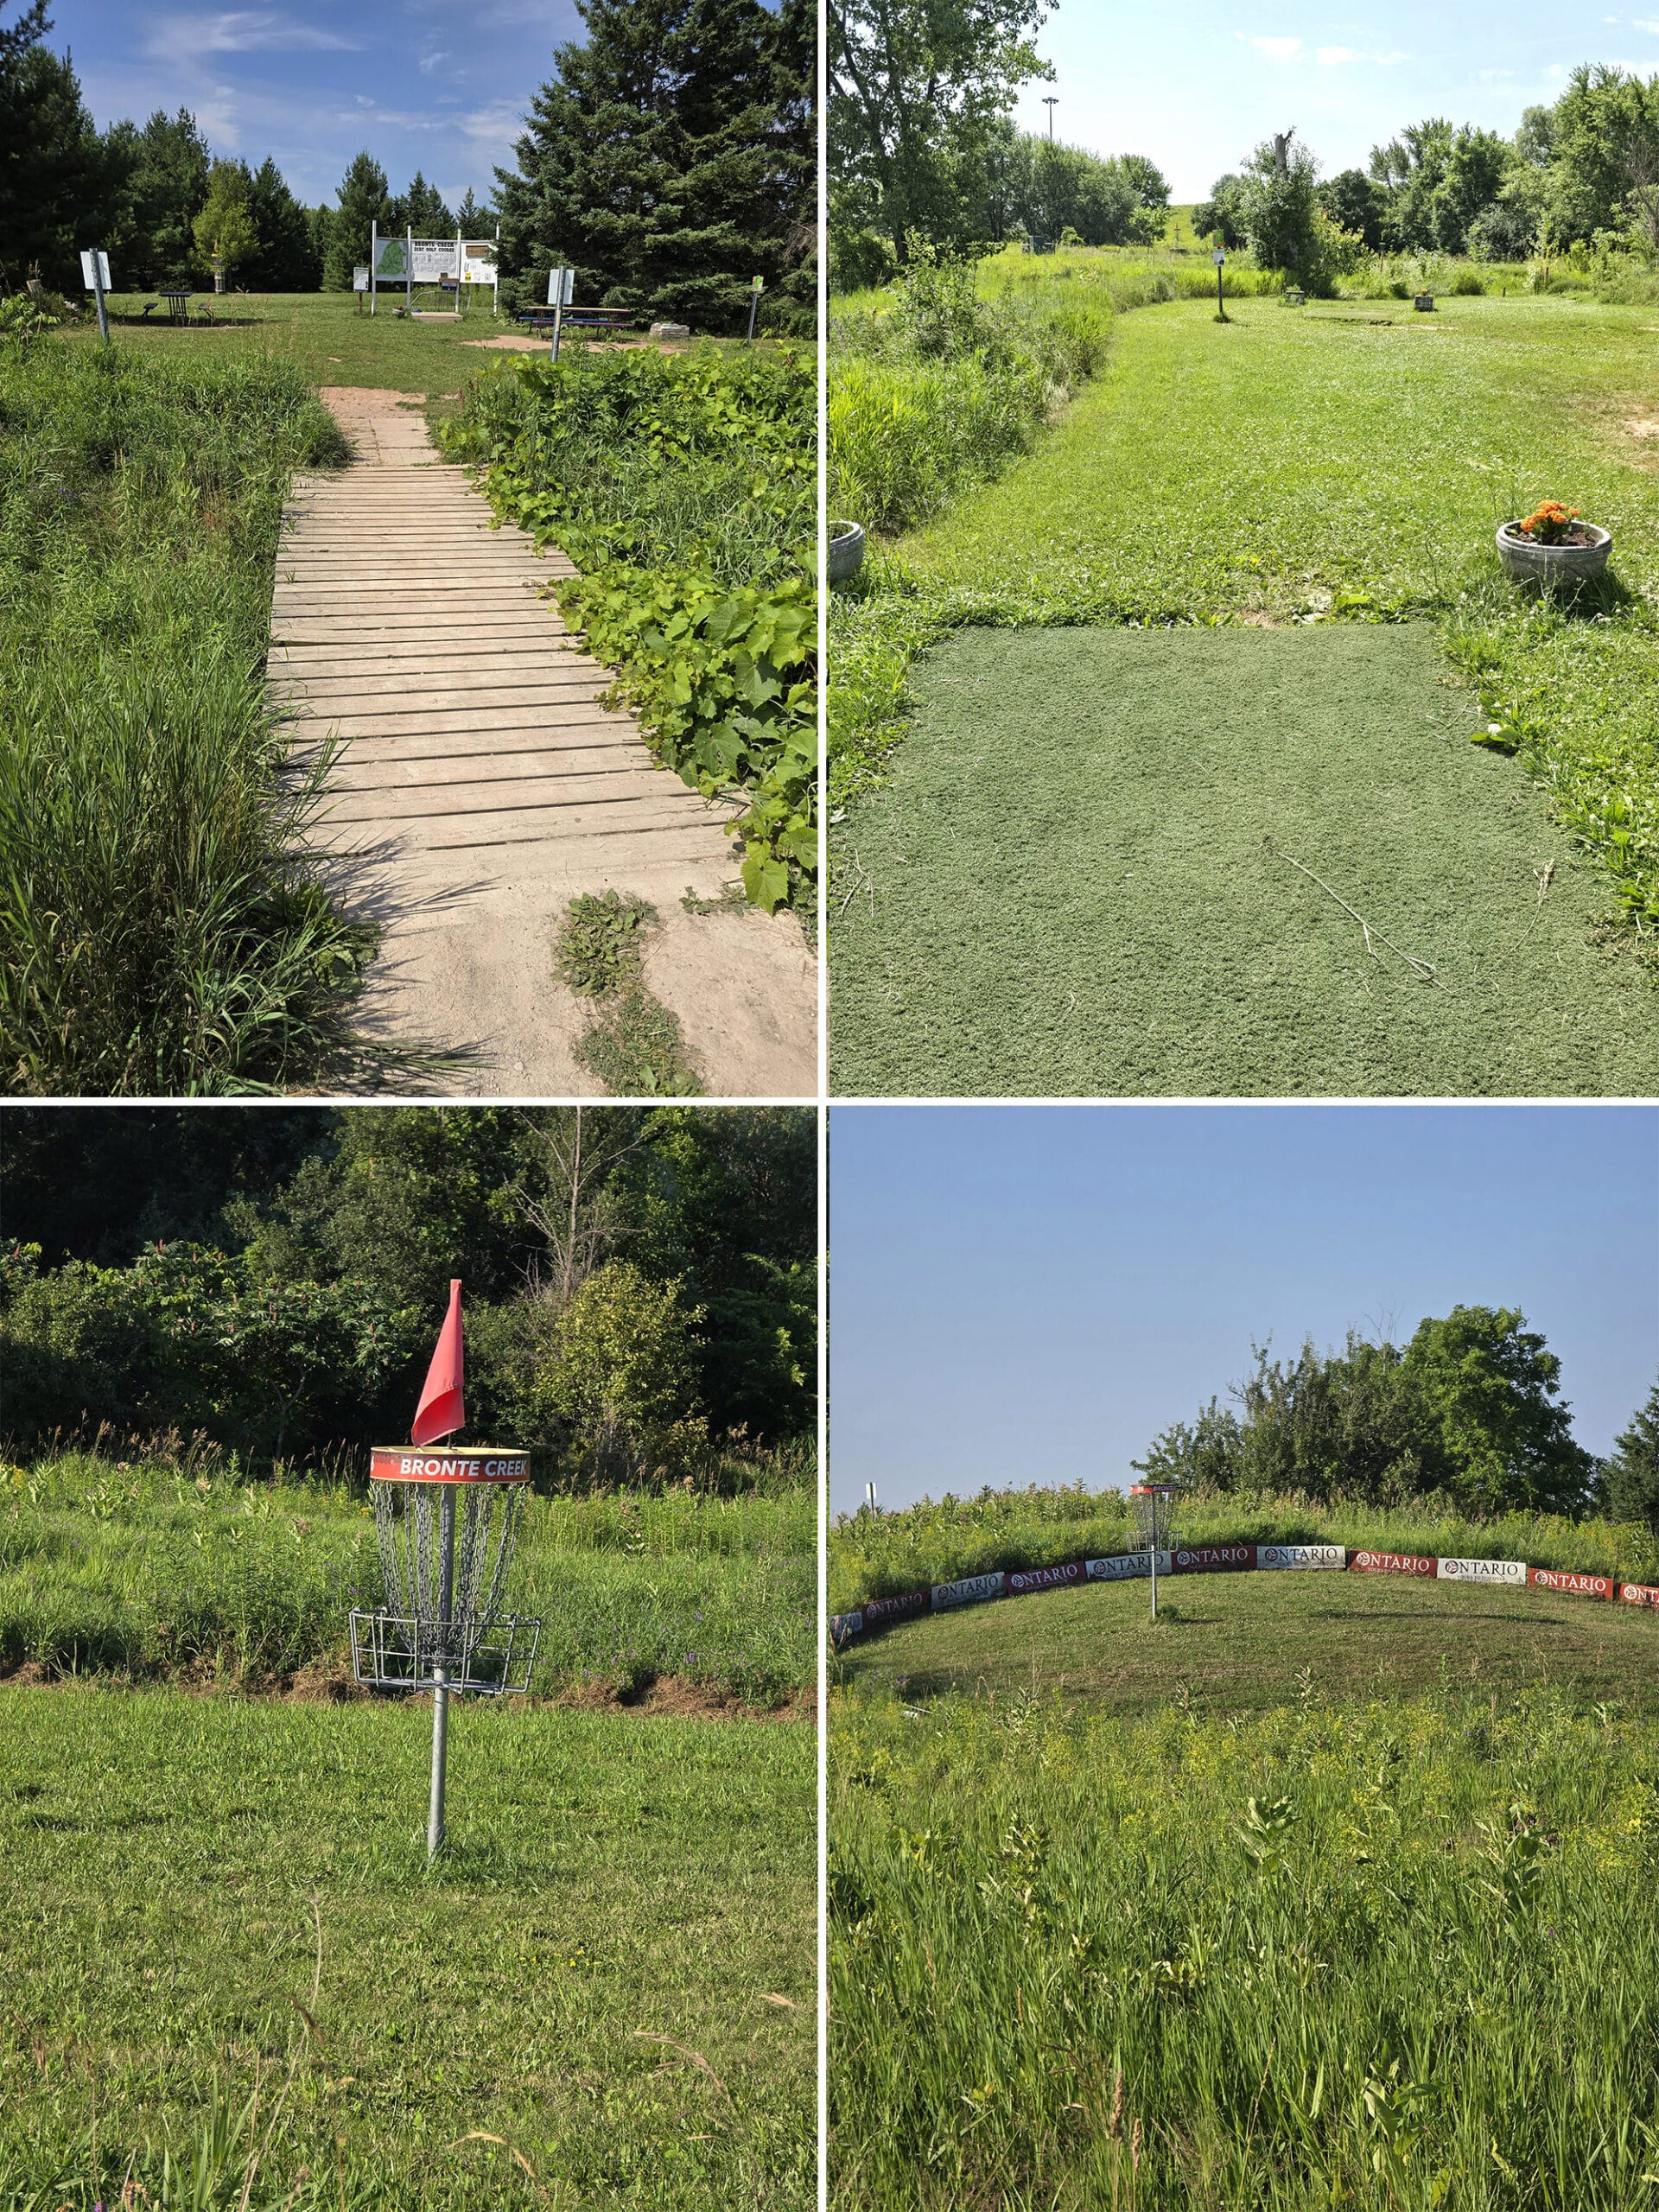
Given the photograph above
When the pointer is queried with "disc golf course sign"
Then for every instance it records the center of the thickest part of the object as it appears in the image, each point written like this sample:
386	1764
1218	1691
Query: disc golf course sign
445	1517
456	263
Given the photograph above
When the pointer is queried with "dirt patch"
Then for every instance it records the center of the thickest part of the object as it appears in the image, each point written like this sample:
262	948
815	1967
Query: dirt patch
1642	427
675	1697
517	343
325	1680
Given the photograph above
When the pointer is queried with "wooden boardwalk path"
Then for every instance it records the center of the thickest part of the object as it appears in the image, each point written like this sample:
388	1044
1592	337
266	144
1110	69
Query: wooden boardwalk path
490	787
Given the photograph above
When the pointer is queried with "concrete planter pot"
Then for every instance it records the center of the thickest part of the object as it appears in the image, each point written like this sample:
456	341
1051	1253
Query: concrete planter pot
1554	566
846	551
1424	303
1295	296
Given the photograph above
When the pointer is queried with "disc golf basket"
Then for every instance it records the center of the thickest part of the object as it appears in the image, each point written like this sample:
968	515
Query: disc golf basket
446	1520
1150	1507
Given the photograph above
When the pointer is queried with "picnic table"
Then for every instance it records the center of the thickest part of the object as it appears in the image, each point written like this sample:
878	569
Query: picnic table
578	318
177	302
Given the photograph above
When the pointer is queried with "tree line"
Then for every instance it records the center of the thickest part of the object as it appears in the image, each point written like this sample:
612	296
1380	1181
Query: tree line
1469	1409
640	1283
922	146
670	159
1584	171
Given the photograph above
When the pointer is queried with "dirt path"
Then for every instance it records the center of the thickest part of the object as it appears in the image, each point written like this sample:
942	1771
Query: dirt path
483	785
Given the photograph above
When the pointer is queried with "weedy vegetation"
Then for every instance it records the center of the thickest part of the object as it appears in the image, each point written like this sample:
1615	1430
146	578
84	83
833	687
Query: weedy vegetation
635	1045
1383	1952
189	1572
684	487
161	930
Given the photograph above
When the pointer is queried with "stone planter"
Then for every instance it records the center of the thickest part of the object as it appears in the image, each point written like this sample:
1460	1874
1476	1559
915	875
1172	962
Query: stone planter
846	551
1554	566
1424	303
1295	296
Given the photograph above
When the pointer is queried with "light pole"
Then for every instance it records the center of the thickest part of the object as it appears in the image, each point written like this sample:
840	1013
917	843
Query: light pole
1051	101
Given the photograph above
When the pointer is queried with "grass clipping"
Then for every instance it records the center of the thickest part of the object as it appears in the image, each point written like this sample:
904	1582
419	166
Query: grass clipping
634	1044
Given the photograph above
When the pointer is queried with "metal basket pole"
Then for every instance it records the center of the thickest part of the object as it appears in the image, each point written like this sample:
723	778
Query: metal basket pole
441	1671
1155	1555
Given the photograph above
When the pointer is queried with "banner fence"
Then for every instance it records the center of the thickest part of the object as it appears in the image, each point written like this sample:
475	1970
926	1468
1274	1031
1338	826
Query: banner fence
1231	1559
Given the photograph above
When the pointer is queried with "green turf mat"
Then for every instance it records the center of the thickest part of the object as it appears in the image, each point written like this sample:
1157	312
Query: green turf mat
1068	888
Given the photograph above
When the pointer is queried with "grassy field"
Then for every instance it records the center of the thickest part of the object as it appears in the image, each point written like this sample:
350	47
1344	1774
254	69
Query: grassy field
1348	459
603	1994
1233	1644
325	338
155	1573
1390	1953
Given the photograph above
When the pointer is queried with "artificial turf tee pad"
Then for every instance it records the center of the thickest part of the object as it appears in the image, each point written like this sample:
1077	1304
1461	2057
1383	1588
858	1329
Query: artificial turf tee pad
1079	881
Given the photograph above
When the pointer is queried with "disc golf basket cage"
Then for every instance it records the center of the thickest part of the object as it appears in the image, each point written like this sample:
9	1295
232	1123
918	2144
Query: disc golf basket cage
445	1521
1150	1507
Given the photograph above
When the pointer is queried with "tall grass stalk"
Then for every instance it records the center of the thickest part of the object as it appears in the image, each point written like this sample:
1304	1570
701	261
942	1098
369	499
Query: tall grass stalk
160	929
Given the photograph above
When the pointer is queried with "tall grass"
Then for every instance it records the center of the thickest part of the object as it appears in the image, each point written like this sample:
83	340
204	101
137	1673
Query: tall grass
161	930
1392	1954
150	1572
879	1554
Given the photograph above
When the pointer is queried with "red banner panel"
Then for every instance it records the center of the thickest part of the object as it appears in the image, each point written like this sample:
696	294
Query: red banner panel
1389	1563
1213	1559
1046	1578
877	1610
1638	1593
1572	1585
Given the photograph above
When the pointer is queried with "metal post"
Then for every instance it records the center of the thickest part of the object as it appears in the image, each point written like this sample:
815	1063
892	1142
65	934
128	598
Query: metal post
374	257
441	1672
1221	304
98	294
754	302
409	272
1152	1560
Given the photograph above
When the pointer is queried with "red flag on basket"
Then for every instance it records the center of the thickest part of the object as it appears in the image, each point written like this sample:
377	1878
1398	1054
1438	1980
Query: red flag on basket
441	1410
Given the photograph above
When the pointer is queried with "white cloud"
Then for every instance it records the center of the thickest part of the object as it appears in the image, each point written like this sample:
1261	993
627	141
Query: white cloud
1641	23
430	61
183	40
1276	50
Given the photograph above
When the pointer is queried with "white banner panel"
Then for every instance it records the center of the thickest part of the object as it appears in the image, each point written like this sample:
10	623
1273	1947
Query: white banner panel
1482	1570
972	1590
92	271
478	261
1123	1566
1308	1555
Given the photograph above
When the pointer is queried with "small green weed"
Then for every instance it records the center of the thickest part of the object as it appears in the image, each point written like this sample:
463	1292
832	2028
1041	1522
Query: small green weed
637	1049
600	944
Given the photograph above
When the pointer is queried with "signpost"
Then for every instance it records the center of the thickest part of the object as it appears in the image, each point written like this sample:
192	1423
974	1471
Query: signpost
1220	257
561	293
757	285
95	272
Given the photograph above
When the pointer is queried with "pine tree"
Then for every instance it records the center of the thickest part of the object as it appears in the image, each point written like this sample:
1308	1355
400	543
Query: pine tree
421	210
669	159
58	179
224	229
472	220
166	190
286	261
1628	1481
363	200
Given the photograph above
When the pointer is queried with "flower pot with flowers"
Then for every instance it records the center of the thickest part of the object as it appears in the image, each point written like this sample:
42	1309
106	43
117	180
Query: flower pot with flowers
1551	547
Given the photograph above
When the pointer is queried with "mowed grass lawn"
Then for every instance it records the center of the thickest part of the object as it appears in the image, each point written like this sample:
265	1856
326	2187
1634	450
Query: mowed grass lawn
324	335
1063	886
612	1970
1249	1642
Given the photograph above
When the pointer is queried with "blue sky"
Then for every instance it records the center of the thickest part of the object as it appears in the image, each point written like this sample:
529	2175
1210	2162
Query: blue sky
1195	83
1030	1293
432	85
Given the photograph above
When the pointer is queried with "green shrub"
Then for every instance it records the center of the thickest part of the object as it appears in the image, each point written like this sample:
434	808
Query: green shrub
618	1381
1466	284
685	487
